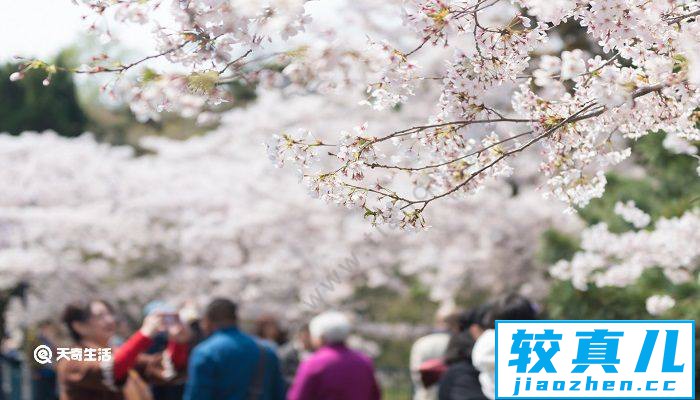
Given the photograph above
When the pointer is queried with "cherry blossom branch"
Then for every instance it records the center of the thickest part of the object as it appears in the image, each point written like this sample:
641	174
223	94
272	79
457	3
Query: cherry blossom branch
409	202
228	65
126	67
582	114
432	166
572	118
682	17
459	124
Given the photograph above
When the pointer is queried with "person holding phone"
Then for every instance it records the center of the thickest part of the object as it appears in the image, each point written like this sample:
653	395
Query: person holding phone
174	387
122	376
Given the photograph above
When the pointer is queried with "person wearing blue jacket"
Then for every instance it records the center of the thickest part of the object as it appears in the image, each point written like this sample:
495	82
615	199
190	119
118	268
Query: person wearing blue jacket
229	364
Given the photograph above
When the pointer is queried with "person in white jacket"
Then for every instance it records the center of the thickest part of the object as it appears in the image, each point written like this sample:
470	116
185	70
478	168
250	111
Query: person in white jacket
510	307
430	347
484	360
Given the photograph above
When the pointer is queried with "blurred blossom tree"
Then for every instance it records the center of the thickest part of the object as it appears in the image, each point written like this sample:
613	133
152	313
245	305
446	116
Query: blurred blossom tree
208	215
28	105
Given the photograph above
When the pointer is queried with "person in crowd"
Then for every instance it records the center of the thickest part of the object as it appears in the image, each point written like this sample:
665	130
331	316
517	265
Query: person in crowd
124	374
430	348
334	372
43	376
509	307
475	320
122	332
11	361
173	389
269	329
229	364
190	315
461	380
294	352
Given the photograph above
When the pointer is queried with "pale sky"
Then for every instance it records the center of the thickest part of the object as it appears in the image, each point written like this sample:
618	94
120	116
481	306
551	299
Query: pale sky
41	28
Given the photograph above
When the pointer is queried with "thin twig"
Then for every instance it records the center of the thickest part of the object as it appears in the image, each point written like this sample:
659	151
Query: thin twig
682	17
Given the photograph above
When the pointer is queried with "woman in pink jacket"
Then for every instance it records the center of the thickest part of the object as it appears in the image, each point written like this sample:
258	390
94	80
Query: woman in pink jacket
334	372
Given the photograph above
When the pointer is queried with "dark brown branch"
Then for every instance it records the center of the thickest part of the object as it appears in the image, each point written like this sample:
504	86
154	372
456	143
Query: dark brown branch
123	68
577	116
376	165
532	141
682	17
227	66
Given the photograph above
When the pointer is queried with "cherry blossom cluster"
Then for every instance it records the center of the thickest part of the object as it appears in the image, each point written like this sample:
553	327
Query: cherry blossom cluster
659	304
215	27
611	259
207	41
630	213
579	105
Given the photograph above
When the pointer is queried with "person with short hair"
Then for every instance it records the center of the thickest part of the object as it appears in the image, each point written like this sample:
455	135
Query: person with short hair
509	307
334	372
229	364
461	380
269	328
124	375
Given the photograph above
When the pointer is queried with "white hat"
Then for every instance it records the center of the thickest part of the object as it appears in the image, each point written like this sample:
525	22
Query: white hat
330	327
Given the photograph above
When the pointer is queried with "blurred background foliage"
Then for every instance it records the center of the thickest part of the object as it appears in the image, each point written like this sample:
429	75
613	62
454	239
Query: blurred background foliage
28	105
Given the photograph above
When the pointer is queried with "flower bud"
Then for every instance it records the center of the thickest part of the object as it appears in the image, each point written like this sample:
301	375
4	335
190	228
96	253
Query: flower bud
16	76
